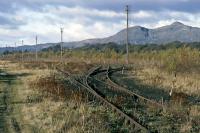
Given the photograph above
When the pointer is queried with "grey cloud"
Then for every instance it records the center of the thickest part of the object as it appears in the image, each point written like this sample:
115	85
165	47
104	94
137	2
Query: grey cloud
116	5
11	23
160	8
4	21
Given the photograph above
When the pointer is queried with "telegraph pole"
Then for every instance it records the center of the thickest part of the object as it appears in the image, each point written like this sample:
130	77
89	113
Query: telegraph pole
15	47
7	47
127	39
22	50
36	52
15	51
61	42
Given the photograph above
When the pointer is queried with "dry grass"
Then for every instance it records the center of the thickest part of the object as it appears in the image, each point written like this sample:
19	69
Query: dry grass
57	88
73	114
187	83
76	67
62	110
183	85
50	85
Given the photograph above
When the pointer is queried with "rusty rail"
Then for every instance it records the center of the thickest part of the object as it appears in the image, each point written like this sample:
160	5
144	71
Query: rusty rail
122	114
102	99
127	91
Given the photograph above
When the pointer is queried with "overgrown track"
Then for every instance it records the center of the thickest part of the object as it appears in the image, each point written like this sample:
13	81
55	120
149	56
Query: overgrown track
127	91
117	110
119	88
91	90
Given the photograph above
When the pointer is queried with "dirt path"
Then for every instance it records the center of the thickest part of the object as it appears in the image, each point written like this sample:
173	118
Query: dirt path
3	108
7	122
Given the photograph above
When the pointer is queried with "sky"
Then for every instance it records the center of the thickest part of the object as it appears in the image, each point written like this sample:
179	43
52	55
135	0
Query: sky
85	19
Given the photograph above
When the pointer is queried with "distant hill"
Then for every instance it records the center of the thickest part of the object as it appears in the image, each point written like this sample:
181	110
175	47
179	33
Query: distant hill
137	35
28	47
141	35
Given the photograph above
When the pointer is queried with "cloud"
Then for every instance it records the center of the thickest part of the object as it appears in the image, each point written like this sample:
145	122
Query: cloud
9	21
115	5
46	24
87	19
80	11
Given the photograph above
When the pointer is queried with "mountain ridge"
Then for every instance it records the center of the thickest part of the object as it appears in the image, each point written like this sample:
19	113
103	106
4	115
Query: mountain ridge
176	31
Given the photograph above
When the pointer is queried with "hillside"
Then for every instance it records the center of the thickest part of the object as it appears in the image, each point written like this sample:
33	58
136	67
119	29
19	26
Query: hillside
176	32
141	35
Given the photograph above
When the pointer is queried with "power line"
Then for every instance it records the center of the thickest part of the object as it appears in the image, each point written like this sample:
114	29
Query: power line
127	38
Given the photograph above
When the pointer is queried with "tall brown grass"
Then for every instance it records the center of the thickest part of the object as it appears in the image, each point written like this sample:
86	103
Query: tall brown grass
52	86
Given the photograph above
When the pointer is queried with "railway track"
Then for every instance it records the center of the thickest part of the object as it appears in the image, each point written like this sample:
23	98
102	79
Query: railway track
116	109
136	125
127	91
119	88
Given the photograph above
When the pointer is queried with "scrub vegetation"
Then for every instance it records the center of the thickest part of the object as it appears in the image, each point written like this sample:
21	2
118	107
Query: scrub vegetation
35	97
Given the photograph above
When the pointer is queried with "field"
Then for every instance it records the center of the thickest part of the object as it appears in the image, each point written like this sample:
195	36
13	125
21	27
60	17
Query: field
158	91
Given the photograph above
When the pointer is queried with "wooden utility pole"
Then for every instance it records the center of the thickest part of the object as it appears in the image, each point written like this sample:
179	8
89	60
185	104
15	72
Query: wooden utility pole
61	43
36	52
127	39
15	47
6	47
15	51
22	50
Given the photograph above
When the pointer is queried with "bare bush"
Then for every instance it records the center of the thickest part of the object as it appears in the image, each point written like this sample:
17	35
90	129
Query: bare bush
57	88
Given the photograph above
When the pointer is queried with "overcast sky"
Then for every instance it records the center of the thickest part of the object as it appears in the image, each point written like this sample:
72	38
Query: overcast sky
83	19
